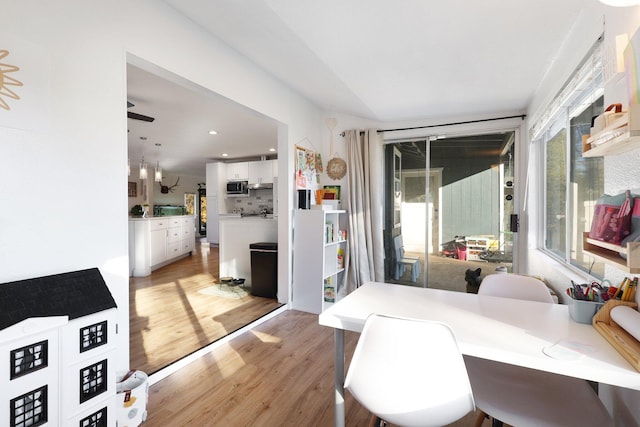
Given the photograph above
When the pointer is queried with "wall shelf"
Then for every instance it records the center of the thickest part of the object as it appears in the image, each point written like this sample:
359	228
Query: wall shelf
610	253
626	141
619	137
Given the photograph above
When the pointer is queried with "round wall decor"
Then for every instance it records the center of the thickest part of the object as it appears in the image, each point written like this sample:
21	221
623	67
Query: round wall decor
336	168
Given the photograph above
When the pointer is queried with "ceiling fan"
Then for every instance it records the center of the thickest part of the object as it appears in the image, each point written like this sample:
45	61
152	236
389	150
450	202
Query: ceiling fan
136	116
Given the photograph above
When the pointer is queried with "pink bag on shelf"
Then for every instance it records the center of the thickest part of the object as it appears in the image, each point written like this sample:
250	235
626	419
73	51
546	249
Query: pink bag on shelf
612	218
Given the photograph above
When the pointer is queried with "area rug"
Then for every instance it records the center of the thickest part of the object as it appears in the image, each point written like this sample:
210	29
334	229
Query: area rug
224	291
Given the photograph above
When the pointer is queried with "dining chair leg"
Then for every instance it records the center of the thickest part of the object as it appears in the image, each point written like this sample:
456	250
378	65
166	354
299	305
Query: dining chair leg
376	421
480	419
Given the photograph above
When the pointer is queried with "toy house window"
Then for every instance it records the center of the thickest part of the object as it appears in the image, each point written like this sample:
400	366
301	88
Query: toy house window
28	359
93	336
29	409
97	419
93	380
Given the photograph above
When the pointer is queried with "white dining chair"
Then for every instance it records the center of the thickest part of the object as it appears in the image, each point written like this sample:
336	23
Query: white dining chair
409	372
526	397
515	286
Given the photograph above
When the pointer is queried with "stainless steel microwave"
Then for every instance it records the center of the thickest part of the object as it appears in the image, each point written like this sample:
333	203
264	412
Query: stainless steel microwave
237	188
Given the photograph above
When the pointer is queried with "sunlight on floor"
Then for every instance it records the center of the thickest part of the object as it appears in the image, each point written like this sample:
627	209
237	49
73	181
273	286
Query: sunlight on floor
174	367
228	360
266	337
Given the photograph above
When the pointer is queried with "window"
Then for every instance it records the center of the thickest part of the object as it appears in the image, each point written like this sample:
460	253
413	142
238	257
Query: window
572	184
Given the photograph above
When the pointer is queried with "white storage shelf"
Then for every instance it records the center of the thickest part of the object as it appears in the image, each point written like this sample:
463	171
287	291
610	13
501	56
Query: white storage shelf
319	256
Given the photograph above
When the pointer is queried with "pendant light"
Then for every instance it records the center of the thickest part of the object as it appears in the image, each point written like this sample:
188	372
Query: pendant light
143	169
158	174
158	171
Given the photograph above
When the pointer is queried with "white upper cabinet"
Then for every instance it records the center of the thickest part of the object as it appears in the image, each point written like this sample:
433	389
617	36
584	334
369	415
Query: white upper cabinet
238	171
261	172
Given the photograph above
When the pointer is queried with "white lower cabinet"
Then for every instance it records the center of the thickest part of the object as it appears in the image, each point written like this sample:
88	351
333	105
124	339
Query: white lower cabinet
157	246
156	242
187	234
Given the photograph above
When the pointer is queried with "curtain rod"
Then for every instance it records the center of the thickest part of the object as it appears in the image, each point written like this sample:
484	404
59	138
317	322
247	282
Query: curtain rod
522	116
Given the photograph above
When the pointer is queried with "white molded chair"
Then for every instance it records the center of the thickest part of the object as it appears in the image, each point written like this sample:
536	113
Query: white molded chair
515	286
409	372
525	397
403	262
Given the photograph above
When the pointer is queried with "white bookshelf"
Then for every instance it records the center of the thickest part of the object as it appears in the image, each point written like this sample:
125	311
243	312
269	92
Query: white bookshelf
318	258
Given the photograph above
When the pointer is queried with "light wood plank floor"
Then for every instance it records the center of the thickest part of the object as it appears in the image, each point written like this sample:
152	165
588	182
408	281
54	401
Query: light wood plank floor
171	315
278	374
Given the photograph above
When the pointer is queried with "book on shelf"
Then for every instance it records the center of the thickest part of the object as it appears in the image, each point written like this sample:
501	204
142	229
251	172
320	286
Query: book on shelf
329	235
329	290
340	258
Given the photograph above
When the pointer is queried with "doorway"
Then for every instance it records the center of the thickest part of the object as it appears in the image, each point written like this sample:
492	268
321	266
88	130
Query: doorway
169	127
450	199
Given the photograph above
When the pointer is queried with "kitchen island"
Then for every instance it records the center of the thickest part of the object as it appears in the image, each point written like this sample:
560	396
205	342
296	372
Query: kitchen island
157	241
236	234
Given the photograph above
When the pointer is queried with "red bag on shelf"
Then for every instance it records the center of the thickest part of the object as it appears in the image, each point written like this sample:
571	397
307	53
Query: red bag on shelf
612	218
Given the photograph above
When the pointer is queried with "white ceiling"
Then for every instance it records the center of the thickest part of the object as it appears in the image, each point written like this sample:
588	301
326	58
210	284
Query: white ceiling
183	116
380	59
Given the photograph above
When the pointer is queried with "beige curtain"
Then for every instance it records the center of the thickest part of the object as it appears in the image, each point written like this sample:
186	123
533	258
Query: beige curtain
364	204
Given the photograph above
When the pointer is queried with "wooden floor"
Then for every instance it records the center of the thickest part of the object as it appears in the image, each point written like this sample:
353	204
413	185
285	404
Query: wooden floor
172	314
278	374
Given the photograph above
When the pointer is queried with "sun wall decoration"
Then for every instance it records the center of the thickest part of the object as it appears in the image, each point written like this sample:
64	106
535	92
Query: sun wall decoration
7	81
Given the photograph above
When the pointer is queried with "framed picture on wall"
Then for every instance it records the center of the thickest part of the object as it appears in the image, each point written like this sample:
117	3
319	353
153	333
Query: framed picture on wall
133	189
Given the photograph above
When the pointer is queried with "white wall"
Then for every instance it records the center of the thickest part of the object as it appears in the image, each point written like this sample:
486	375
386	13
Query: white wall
594	20
67	143
187	184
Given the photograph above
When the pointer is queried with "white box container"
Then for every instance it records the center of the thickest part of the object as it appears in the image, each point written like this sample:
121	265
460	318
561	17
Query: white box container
334	205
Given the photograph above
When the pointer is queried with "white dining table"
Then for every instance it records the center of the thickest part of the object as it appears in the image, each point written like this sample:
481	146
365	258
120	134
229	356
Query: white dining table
525	333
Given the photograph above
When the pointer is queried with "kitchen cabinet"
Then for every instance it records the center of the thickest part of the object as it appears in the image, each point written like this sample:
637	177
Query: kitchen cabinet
158	246
320	246
238	171
156	242
236	235
261	172
213	215
187	234
216	179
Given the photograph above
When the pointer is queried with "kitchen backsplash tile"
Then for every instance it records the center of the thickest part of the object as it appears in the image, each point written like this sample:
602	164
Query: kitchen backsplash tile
255	203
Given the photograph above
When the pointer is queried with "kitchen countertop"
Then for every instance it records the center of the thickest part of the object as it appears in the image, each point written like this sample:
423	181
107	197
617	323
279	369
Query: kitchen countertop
139	218
226	217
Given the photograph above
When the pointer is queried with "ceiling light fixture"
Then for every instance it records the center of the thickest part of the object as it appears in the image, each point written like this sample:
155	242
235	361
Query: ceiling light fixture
225	155
158	172
272	150
213	132
621	3
128	167
143	169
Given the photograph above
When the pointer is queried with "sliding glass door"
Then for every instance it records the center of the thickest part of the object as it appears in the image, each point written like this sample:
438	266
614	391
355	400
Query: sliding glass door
449	209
